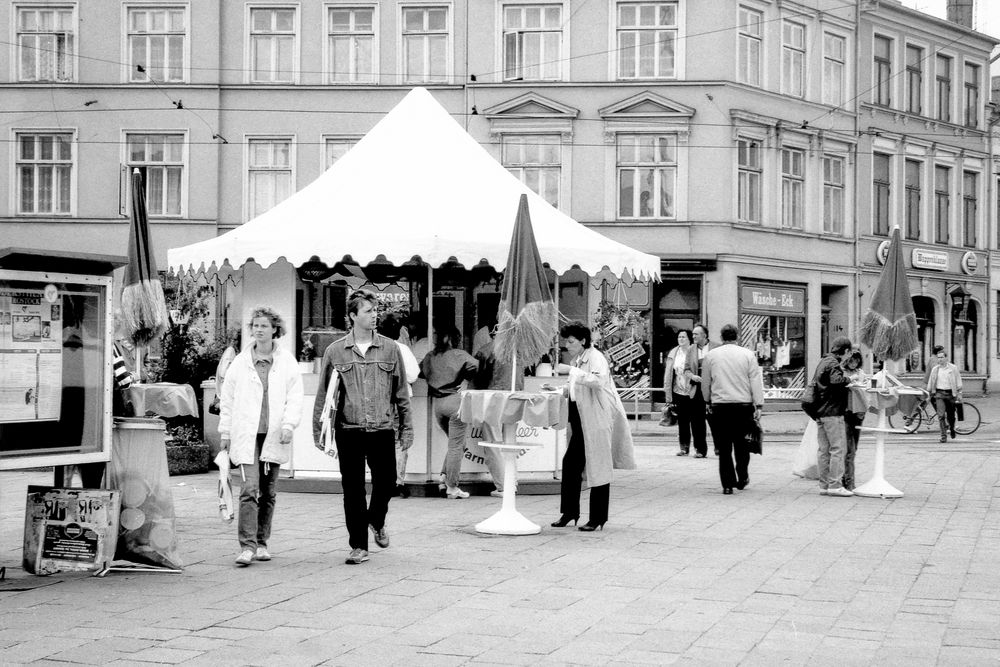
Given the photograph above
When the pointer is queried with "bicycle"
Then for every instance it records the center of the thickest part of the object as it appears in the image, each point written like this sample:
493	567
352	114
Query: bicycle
925	415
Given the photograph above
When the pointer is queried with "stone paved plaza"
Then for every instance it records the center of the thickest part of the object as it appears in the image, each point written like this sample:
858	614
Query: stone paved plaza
775	574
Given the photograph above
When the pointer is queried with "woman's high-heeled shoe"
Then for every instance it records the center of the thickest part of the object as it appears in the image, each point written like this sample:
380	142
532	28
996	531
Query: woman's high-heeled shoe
591	527
564	521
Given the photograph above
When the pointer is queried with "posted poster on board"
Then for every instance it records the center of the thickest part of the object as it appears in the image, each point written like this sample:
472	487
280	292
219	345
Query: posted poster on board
30	355
69	530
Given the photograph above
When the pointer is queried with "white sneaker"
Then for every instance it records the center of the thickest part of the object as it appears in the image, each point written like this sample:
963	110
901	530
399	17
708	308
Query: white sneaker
839	491
457	494
262	554
245	557
496	493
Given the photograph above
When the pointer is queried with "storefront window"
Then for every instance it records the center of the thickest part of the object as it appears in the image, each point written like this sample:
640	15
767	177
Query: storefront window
923	307
965	327
773	326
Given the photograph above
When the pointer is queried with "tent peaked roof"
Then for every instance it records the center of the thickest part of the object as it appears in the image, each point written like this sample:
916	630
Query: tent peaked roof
416	185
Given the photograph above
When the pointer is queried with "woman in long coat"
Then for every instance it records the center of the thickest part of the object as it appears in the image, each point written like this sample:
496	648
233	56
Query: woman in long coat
599	435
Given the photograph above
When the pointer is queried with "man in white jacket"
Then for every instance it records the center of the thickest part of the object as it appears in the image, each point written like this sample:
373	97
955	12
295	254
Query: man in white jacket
260	407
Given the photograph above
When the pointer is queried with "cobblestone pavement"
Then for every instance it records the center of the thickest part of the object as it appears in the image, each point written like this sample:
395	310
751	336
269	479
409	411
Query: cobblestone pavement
775	574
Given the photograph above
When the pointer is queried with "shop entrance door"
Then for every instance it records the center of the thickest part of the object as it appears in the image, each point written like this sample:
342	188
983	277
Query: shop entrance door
676	306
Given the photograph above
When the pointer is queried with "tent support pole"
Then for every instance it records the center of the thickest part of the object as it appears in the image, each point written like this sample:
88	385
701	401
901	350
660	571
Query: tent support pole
429	435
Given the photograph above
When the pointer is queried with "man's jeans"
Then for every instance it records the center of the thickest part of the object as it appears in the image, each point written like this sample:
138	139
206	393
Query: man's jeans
257	496
832	438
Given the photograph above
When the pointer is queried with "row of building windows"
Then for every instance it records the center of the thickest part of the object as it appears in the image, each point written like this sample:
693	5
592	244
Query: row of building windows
533	48
918	97
646	177
945	191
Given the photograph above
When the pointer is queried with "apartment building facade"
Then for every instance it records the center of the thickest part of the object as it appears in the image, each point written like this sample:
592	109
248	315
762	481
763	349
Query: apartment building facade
734	139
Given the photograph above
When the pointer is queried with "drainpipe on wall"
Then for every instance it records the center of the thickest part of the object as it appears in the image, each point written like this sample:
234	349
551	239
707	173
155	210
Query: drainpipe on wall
991	226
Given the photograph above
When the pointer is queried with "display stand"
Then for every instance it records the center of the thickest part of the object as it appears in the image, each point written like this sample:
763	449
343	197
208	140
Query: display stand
877	486
508	521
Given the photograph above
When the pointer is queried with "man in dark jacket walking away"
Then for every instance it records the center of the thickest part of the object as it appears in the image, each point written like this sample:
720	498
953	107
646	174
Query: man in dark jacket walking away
831	383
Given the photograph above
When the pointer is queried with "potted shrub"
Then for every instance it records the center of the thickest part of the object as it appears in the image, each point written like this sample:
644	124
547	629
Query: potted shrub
187	454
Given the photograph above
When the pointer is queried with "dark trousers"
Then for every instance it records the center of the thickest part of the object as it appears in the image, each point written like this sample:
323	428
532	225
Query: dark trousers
944	403
730	424
354	449
691	421
574	463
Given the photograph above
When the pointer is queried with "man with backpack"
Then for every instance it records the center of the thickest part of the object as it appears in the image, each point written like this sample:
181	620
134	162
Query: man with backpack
828	409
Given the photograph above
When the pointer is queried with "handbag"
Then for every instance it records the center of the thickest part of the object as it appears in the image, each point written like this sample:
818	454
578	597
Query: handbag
959	411
755	438
668	416
216	407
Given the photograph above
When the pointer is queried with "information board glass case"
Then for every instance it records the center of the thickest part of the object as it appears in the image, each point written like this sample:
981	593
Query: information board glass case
55	369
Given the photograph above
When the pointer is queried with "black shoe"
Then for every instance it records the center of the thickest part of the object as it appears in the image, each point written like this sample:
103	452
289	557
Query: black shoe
742	484
700	455
944	438
682	453
564	521
591	527
953	434
727	491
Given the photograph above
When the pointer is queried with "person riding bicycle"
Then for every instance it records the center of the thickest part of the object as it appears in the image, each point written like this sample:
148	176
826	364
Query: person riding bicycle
944	384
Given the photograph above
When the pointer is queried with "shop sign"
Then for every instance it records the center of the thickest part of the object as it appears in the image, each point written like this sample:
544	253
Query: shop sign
782	300
970	262
882	252
935	260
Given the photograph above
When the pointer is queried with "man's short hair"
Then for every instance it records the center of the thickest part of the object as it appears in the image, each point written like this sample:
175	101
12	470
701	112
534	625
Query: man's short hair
701	326
938	349
577	330
729	332
840	345
355	300
272	315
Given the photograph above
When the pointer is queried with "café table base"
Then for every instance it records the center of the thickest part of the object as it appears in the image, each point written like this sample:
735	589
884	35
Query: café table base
508	521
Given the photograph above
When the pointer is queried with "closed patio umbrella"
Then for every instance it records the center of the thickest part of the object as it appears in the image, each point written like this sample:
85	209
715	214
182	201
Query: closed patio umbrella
143	308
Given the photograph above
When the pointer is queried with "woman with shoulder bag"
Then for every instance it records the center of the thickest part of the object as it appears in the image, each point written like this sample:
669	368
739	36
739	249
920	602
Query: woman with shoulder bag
679	383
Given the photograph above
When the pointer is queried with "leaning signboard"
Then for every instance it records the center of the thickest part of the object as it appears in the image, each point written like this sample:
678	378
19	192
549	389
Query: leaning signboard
70	529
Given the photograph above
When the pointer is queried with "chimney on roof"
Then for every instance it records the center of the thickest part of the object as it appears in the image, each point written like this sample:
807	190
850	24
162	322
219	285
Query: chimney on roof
960	12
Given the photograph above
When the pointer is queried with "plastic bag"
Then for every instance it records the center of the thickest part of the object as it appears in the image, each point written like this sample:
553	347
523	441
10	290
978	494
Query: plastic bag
227	508
806	458
138	468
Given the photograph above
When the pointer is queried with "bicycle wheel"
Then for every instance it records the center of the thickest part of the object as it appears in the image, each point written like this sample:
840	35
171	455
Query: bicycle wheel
972	420
910	423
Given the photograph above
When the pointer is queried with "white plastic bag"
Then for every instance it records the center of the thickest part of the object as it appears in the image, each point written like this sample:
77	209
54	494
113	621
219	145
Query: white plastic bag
227	508
805	464
326	438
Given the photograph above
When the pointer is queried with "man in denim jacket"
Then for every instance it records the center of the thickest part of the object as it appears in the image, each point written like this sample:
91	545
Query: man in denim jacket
371	384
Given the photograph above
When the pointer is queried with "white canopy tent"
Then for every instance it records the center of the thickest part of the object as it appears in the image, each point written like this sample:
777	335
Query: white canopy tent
417	185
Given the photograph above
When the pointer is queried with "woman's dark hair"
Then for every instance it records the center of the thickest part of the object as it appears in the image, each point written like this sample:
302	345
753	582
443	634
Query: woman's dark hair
447	339
938	349
389	327
686	332
855	358
355	300
577	330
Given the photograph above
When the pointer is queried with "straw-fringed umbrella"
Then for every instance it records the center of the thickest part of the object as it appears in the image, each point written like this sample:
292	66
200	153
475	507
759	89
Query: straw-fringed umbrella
890	325
526	322
889	328
143	308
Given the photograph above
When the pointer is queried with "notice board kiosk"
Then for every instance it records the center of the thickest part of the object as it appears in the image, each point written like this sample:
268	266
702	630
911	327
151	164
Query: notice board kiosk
56	335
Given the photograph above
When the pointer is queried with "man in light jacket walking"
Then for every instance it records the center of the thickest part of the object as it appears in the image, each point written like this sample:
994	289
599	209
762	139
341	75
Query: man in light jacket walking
944	383
261	405
733	388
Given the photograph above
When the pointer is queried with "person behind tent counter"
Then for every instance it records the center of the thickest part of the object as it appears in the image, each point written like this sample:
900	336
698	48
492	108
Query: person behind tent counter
261	406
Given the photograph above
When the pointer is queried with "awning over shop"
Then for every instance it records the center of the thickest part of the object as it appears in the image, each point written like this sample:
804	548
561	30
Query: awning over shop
416	186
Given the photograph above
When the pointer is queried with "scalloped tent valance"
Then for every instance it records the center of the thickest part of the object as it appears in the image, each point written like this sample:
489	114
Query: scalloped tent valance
417	185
